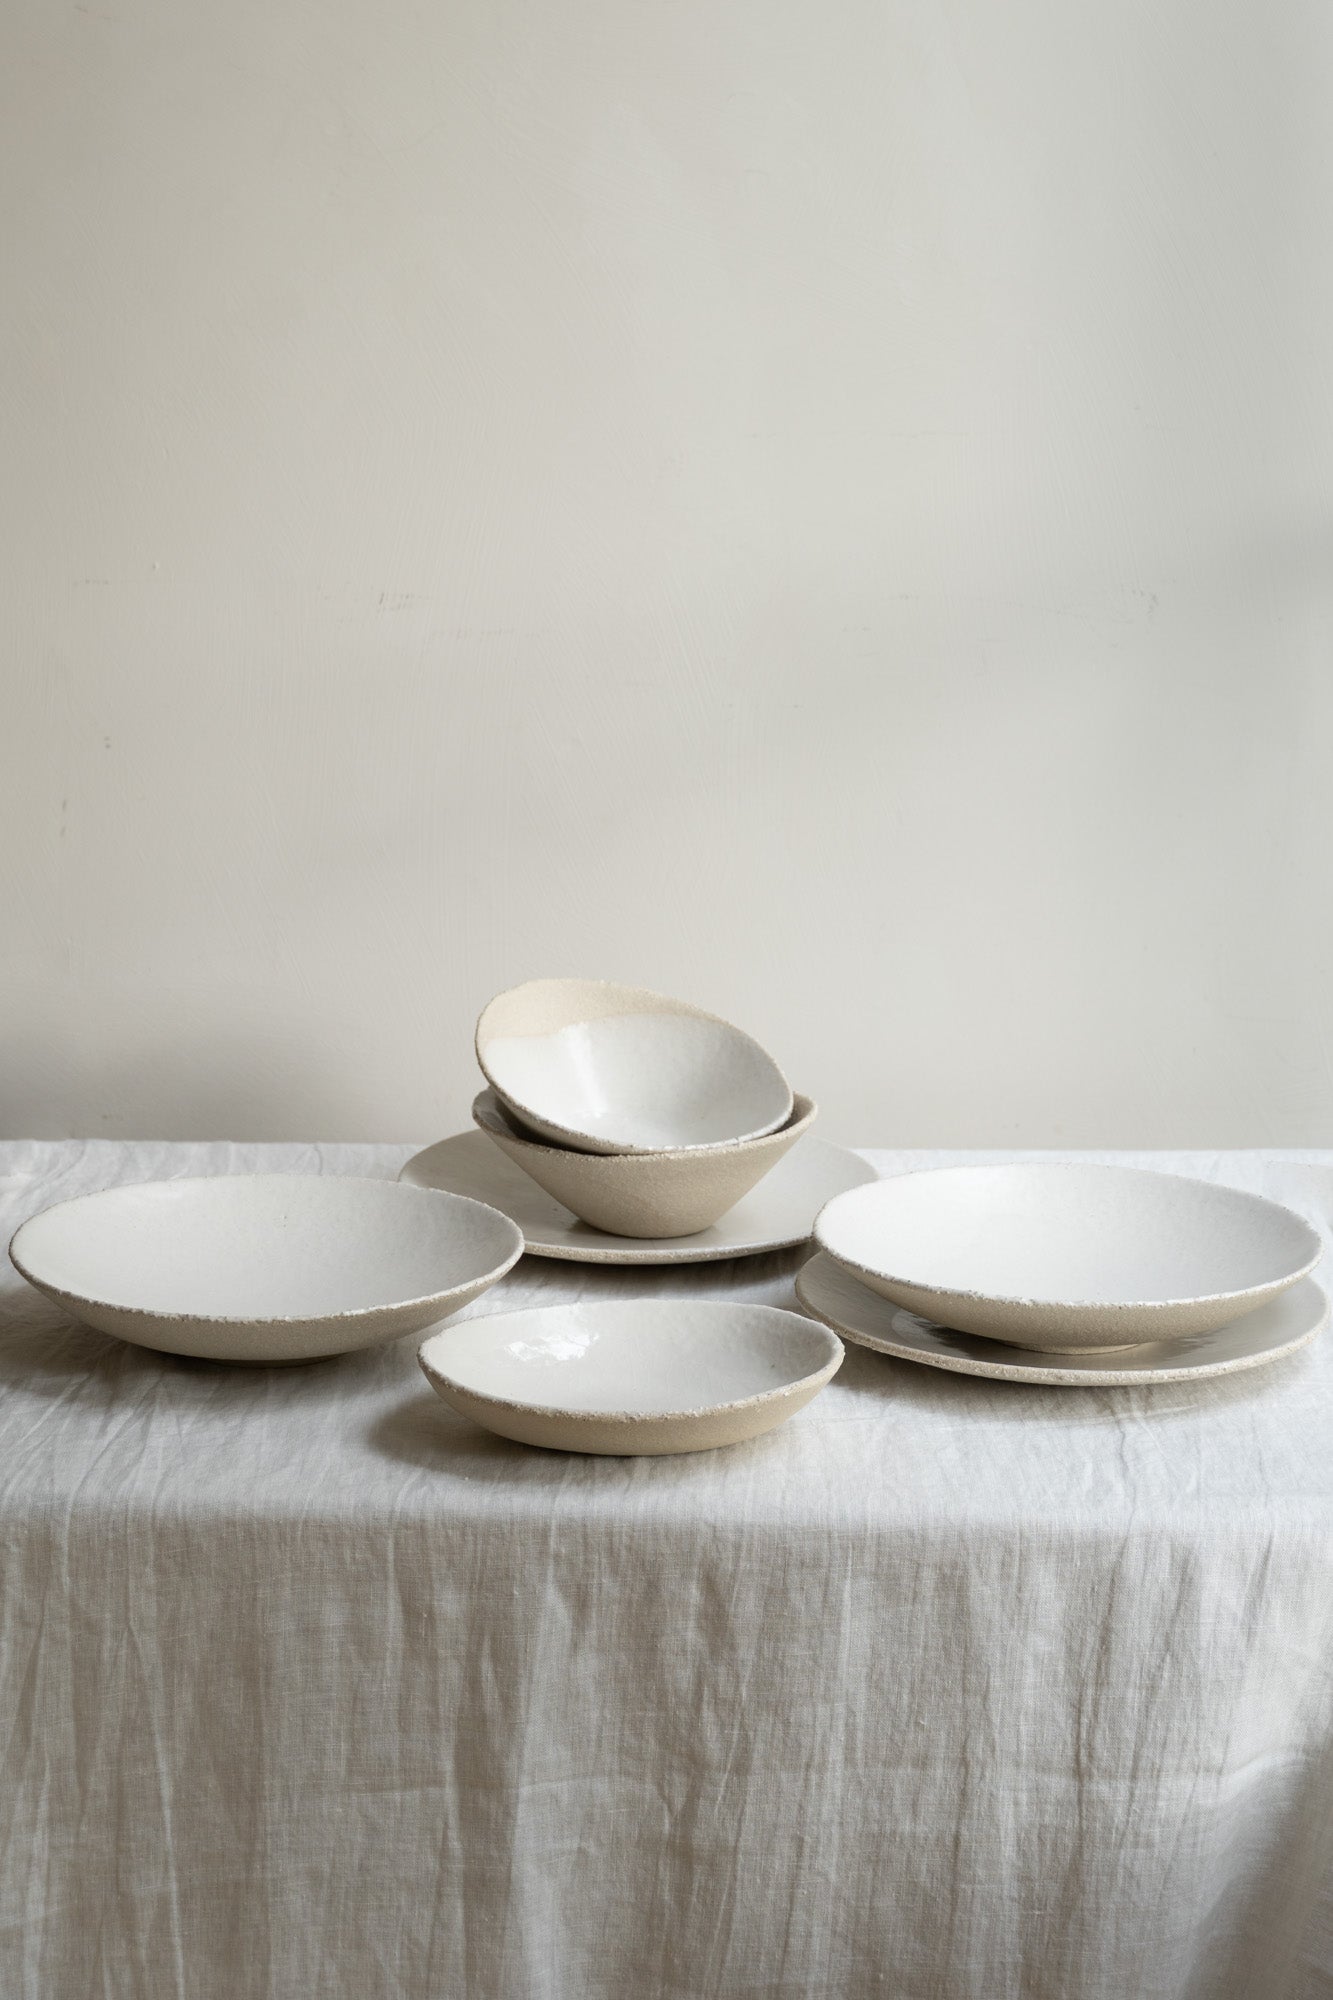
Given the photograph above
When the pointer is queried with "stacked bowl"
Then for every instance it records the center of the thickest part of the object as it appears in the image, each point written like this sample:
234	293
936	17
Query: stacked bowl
1064	1271
644	1115
648	1119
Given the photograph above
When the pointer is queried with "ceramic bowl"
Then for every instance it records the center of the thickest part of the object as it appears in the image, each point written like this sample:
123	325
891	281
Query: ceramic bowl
265	1267
617	1069
641	1376
645	1194
1269	1333
1067	1258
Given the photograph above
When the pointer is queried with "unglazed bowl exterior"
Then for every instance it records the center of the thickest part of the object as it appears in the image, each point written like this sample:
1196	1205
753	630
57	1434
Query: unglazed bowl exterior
645	1194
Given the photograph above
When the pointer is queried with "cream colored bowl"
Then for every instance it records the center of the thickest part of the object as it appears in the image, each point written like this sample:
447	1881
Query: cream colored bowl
645	1194
265	1267
639	1377
1068	1258
617	1069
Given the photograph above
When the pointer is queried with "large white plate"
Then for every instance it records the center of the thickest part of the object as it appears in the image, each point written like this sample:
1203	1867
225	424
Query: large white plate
773	1216
637	1377
264	1267
858	1314
1068	1257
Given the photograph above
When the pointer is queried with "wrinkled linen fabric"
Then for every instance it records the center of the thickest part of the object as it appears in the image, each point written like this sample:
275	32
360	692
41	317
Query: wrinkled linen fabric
948	1690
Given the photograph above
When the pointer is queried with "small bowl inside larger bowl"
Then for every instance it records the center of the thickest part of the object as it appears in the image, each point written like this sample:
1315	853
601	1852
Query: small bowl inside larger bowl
672	1193
605	1068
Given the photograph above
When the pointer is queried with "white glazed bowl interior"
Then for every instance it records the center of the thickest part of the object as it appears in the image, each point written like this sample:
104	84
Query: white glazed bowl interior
618	1069
251	1251
632	1376
1108	1255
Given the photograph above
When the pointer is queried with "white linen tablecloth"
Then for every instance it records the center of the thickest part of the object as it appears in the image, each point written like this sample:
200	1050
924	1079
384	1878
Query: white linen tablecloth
948	1690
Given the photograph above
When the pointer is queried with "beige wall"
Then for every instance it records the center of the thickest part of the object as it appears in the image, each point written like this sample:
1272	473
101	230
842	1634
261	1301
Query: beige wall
824	509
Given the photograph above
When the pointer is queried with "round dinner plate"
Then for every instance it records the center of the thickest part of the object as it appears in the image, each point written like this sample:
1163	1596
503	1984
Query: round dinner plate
634	1378
860	1315
775	1215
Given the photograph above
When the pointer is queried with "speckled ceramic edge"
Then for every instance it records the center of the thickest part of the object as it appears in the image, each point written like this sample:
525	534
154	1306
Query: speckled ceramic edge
1094	1374
640	1437
491	1114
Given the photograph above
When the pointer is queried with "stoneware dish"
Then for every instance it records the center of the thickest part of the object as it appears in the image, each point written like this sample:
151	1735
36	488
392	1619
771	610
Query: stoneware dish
772	1216
1067	1258
639	1377
265	1267
1286	1323
645	1194
617	1069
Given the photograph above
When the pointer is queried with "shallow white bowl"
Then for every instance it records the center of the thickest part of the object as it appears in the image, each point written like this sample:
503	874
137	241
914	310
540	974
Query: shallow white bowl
1067	1258
265	1267
645	1194
1268	1333
617	1069
640	1377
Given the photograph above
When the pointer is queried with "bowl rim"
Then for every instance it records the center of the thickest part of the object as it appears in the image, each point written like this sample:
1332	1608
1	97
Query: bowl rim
818	1376
672	1005
348	1315
1032	1302
803	1114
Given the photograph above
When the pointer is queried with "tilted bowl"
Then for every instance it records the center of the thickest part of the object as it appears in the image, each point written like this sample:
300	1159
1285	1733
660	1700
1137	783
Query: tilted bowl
265	1267
606	1068
645	1194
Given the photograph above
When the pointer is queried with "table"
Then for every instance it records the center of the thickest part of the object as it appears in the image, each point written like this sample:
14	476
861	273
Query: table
950	1688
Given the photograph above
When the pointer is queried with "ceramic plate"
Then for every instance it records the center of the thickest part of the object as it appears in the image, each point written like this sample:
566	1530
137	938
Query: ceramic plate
618	1069
639	1377
773	1216
264	1267
1280	1327
1068	1258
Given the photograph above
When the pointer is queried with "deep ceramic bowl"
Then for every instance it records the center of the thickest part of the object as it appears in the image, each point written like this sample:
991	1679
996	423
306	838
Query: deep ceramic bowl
639	1376
1068	1258
265	1267
645	1194
617	1069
